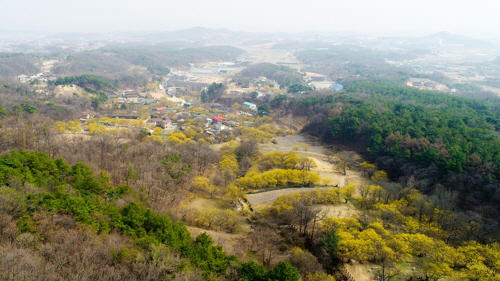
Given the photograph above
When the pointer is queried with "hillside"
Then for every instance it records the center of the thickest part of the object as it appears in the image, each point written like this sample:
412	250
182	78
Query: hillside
132	65
282	74
119	59
83	205
352	63
12	65
441	140
117	197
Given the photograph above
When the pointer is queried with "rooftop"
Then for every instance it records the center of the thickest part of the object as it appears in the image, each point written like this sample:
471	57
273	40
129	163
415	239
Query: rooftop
218	118
248	103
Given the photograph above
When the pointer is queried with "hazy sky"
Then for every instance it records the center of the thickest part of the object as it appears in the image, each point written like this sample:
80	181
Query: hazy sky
478	18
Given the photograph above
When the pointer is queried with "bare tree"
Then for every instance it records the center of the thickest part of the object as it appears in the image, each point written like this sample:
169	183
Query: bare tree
318	215
264	240
304	213
345	160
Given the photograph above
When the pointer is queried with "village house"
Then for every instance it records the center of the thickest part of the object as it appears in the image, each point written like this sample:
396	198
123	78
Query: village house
131	117
218	119
208	121
147	101
274	84
337	87
22	78
218	123
162	123
160	109
131	96
250	105
113	95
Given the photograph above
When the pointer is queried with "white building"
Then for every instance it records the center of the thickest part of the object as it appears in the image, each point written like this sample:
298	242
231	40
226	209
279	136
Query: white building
250	105
23	78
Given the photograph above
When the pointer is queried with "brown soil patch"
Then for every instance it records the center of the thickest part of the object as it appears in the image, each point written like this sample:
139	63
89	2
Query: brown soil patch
340	211
361	272
203	204
68	90
157	95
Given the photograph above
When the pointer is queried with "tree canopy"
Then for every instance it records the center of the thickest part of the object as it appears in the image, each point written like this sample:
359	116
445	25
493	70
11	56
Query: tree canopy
91	199
213	92
96	82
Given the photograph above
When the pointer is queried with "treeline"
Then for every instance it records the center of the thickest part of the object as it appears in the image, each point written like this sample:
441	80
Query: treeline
38	188
96	82
437	139
158	70
285	76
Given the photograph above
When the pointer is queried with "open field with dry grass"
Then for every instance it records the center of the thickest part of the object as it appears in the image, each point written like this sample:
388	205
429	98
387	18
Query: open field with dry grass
231	243
67	90
361	272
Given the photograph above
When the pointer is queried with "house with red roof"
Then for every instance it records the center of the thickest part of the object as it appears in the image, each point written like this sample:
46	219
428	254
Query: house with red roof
218	119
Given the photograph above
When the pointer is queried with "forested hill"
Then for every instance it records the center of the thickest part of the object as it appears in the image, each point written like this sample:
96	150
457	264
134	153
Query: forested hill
86	80
61	222
282	74
111	61
133	65
438	140
13	64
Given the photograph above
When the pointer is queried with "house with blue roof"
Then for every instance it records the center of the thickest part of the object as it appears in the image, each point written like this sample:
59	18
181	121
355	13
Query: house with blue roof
250	105
337	87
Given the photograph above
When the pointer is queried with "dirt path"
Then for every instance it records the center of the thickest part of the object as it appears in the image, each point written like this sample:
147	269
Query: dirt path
264	197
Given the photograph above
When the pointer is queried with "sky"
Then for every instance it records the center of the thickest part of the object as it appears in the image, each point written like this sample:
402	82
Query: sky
476	18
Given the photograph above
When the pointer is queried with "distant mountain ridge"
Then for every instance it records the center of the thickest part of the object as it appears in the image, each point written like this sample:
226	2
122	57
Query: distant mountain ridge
195	34
469	42
203	34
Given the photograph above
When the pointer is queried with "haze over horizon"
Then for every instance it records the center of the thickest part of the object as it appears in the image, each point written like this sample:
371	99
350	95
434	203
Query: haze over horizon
376	18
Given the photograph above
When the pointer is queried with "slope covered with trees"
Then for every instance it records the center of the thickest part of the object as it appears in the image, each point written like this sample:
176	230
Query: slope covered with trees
439	141
41	194
285	76
96	83
134	65
15	64
349	63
